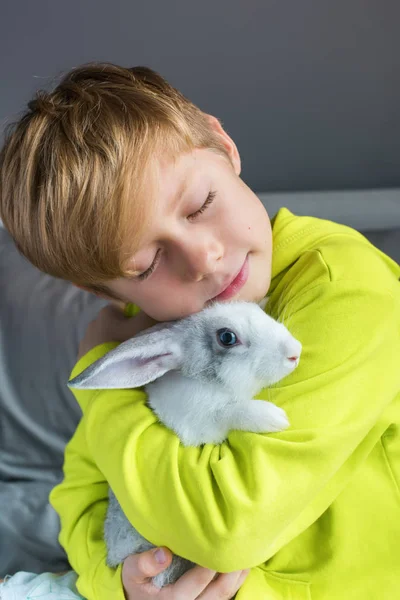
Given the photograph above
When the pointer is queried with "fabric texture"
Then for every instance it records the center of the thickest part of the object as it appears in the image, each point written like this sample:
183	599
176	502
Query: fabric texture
313	510
46	586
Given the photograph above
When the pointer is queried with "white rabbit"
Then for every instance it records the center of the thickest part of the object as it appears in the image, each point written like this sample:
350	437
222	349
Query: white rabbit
200	374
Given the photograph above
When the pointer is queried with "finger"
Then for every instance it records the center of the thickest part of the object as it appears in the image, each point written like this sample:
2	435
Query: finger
138	568
225	586
192	583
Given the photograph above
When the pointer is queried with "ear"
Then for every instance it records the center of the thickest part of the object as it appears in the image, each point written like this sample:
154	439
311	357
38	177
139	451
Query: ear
133	363
227	141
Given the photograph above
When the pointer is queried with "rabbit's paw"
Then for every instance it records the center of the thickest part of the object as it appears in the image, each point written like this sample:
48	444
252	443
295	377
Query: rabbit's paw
269	417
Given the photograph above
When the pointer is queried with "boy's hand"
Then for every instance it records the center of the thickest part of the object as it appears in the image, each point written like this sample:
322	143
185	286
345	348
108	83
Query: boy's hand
111	325
195	583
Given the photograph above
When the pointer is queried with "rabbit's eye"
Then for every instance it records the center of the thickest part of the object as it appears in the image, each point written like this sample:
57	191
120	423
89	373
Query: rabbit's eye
226	337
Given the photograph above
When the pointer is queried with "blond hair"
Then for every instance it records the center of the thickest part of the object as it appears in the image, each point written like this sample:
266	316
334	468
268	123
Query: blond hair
72	168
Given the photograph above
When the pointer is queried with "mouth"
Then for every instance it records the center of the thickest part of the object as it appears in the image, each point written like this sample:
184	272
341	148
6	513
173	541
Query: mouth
236	284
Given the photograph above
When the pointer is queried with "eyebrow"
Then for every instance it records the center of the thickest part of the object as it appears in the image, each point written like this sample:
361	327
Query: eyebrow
182	189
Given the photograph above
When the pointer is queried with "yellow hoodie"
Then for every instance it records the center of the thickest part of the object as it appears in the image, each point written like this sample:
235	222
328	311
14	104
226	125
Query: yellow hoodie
313	510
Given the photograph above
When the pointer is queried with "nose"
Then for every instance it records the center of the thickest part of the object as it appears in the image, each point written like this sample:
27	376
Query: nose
293	350
201	258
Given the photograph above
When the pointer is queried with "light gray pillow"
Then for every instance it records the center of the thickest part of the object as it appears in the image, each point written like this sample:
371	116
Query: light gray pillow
387	240
42	320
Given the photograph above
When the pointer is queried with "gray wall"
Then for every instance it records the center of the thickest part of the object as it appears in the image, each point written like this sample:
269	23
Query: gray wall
308	89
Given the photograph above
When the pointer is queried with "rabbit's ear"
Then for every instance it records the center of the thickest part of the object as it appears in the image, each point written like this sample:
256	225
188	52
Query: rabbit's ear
133	363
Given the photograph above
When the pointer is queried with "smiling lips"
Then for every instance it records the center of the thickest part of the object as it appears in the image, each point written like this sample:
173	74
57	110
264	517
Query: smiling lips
237	283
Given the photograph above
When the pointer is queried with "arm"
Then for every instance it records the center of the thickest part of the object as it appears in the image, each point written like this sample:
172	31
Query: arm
81	500
233	506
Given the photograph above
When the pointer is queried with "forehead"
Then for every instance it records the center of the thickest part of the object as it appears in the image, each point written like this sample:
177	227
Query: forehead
233	309
171	176
166	181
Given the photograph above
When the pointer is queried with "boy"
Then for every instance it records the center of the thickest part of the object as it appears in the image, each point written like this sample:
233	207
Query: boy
119	184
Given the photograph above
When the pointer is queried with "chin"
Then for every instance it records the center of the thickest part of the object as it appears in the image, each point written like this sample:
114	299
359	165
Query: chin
259	293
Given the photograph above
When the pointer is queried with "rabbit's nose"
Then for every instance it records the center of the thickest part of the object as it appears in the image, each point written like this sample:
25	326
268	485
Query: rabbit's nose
293	361
292	350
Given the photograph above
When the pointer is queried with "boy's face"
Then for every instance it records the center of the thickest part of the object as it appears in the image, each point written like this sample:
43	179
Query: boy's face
197	254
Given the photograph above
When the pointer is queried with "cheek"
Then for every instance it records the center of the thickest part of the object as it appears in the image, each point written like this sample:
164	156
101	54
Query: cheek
235	218
169	311
169	299
247	226
258	224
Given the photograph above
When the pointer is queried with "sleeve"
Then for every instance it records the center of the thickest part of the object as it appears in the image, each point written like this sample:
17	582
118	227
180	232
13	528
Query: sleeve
81	501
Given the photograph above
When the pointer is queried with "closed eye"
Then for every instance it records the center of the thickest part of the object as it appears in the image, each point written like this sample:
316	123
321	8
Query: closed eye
207	203
150	270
